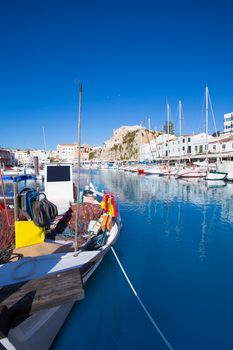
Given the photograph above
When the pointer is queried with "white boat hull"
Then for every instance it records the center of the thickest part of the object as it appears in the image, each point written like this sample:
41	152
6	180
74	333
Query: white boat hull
215	176
191	174
38	331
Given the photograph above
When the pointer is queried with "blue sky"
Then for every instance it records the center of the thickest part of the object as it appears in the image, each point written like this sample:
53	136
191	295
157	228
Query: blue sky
130	57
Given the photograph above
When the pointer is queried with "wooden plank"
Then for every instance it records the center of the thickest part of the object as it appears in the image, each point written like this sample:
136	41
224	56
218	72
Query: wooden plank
42	293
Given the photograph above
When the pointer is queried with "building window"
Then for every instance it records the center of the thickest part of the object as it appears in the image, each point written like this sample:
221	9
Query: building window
183	140
214	147
189	149
196	148
183	148
189	139
223	146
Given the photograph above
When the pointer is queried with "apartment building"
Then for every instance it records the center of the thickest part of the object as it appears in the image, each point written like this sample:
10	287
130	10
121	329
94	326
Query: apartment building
172	146
25	157
228	122
5	157
69	152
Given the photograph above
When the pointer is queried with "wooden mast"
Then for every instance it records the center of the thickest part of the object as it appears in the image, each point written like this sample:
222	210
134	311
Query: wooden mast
78	174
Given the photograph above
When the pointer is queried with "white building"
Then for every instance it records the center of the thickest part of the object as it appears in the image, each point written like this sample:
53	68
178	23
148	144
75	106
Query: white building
25	157
66	151
146	153
222	145
69	151
161	146
171	146
228	122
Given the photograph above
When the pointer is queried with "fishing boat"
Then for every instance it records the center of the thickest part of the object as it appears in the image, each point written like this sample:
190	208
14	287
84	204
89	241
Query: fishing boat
53	263
57	248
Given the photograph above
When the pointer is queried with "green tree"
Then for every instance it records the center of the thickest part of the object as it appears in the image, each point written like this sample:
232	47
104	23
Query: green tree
169	128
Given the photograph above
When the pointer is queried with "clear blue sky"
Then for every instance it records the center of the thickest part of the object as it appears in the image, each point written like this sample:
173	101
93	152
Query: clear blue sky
129	55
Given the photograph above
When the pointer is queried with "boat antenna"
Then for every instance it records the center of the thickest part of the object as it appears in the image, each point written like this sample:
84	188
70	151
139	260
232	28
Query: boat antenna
78	174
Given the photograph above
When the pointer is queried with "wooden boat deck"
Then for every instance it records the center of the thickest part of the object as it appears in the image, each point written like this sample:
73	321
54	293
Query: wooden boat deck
43	248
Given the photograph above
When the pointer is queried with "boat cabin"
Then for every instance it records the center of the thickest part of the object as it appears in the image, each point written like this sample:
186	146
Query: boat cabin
59	187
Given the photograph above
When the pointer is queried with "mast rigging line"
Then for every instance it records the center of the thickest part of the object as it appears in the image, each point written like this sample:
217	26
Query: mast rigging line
212	112
141	303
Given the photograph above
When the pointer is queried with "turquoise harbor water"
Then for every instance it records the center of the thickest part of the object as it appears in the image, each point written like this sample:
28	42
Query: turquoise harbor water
177	248
176	245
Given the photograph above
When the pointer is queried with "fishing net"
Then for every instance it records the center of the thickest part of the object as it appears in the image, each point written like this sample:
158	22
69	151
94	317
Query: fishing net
65	228
7	234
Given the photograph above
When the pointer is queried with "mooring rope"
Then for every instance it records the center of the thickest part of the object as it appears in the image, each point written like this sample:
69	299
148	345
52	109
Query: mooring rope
142	304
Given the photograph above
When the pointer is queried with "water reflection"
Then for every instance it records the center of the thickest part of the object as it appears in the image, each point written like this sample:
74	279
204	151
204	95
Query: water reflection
133	189
180	207
202	247
174	208
176	245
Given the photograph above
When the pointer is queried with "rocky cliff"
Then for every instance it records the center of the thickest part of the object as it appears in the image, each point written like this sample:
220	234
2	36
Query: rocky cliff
124	144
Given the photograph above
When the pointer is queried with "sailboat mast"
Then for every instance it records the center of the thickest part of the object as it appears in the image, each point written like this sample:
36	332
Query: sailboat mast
168	117
78	174
149	127
168	129
206	119
45	147
180	112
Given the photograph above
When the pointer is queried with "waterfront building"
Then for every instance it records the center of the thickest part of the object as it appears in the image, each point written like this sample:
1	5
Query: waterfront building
187	147
222	145
228	122
161	146
5	157
69	152
146	154
25	157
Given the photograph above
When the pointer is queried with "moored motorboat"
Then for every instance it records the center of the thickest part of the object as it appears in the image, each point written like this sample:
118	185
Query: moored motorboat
191	172
215	175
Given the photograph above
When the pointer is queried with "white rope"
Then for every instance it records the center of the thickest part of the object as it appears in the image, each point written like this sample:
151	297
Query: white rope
141	303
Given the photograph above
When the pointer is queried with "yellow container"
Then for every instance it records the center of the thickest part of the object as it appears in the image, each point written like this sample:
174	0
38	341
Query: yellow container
27	233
